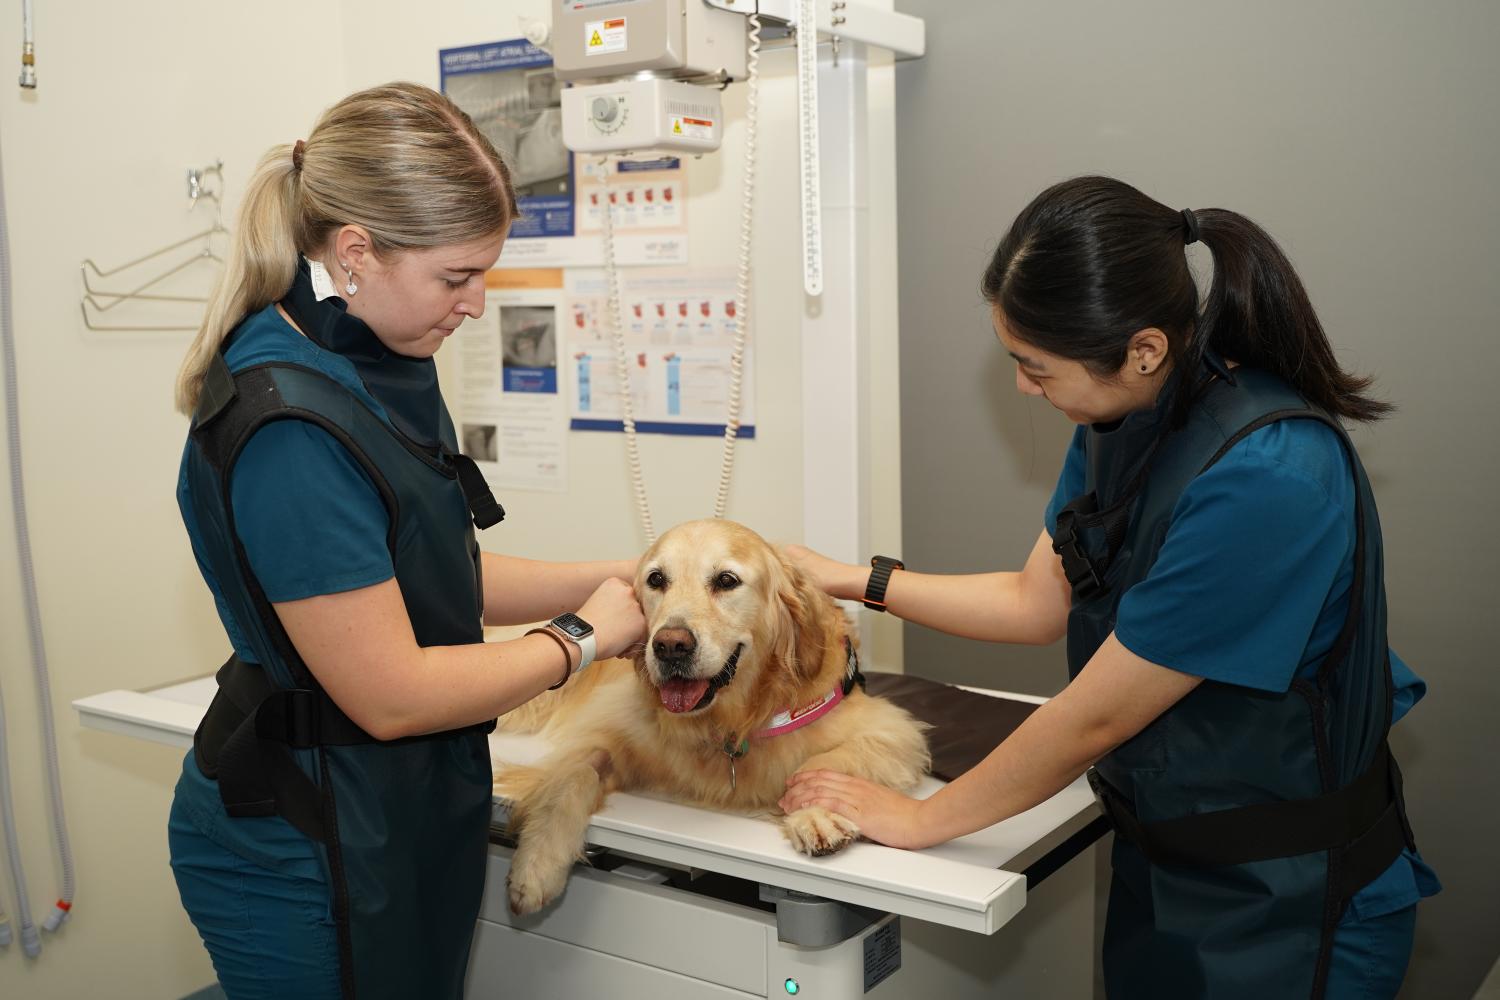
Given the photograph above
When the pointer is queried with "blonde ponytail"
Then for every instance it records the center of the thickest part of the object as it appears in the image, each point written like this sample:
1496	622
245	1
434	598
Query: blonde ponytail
400	160
258	270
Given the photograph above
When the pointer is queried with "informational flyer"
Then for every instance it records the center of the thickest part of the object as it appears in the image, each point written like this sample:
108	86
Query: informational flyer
678	326
510	92
514	421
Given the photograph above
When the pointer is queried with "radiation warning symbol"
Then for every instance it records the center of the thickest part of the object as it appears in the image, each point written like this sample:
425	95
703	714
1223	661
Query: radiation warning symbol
595	41
676	126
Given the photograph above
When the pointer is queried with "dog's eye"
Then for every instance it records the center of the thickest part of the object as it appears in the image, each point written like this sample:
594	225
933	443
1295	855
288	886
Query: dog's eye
655	580
726	581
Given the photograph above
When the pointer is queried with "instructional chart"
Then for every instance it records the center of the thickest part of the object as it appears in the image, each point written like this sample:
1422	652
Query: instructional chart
678	327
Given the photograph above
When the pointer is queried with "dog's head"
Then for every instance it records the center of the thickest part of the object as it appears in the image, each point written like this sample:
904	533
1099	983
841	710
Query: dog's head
733	630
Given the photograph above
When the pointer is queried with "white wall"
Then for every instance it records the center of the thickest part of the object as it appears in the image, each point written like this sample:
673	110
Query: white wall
131	95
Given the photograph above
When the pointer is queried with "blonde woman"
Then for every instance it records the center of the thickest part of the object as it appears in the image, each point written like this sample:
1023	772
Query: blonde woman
328	833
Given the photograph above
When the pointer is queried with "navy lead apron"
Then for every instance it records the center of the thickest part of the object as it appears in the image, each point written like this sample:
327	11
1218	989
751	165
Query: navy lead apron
402	825
1245	820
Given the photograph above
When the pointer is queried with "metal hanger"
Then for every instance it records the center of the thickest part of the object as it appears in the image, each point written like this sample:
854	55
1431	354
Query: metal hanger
102	300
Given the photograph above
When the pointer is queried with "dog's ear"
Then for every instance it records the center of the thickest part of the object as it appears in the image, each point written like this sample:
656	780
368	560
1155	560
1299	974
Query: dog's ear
804	611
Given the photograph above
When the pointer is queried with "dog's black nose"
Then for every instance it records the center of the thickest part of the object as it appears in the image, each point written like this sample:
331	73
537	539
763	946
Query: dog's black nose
674	645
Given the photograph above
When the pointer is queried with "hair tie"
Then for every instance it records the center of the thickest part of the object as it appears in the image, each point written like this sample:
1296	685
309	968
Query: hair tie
297	149
1190	222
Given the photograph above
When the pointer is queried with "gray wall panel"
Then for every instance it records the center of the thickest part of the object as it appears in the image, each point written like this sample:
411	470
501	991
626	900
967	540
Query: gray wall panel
1366	137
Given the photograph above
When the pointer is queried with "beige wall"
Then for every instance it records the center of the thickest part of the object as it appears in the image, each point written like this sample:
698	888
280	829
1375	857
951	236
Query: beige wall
131	95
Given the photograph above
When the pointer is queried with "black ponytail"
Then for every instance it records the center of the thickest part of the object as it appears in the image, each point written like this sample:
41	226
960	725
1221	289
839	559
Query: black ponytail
1093	260
1258	313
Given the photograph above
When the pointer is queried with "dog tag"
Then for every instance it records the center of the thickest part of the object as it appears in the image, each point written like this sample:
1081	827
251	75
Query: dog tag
732	780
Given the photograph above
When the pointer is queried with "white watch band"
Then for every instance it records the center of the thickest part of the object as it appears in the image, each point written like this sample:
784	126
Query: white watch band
588	647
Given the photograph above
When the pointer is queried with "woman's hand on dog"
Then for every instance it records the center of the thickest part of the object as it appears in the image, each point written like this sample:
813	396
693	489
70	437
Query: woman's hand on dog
619	624
841	580
882	814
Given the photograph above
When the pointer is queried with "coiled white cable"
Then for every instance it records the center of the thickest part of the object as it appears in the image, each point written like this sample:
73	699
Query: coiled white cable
622	366
741	300
742	281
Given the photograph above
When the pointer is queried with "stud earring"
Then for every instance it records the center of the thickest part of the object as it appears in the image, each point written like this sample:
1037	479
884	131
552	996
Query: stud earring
1143	369
351	287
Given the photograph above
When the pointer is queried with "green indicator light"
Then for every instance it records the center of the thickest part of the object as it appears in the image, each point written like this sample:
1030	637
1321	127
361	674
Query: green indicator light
792	987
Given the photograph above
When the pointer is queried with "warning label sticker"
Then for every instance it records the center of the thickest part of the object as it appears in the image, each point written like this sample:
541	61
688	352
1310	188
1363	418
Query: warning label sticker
602	37
882	954
692	128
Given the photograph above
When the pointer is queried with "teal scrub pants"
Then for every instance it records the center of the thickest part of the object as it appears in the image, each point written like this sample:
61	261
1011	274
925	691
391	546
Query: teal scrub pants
1370	955
270	934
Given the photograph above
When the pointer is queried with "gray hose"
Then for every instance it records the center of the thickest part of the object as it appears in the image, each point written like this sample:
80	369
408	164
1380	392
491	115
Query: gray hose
30	939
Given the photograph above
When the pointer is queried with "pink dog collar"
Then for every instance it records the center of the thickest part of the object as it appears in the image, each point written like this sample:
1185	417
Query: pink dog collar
796	718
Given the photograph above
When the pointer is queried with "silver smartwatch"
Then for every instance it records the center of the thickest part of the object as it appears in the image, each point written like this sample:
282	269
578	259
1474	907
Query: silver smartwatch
579	632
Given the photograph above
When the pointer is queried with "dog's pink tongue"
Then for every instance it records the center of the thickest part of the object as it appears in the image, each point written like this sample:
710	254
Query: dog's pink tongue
679	695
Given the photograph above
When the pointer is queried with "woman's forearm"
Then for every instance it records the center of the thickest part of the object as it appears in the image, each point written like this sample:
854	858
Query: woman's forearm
1115	696
985	606
517	591
1029	607
1041	758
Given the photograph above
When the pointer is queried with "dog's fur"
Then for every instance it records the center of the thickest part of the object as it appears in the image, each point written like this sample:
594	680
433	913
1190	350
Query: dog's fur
610	729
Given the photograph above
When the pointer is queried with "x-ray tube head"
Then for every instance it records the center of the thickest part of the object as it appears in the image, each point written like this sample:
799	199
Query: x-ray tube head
645	75
680	39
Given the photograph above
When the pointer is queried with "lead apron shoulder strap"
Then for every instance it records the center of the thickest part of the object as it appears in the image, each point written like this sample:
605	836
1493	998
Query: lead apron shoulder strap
1366	818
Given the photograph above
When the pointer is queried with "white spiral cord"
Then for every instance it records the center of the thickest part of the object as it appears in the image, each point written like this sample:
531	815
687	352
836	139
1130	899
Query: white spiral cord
741	302
742	280
622	366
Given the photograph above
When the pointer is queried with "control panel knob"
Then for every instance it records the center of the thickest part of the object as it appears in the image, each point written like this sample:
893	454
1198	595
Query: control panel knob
604	109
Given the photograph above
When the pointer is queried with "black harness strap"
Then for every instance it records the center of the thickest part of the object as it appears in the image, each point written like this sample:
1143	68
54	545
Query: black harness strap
852	675
1085	574
483	506
245	740
1364	816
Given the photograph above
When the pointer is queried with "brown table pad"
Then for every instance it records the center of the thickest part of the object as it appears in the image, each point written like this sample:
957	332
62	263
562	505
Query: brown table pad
965	726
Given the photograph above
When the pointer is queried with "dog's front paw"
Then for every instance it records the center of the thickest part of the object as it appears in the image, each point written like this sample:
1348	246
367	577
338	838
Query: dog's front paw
533	883
817	831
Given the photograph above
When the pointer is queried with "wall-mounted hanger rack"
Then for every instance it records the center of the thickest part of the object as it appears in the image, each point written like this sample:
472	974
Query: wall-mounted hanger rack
101	300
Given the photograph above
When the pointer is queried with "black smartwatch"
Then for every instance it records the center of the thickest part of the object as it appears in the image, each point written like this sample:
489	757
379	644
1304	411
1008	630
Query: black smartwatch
880	576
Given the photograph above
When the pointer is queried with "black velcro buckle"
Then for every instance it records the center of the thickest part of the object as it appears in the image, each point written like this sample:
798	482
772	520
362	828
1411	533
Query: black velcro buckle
1083	576
483	506
291	716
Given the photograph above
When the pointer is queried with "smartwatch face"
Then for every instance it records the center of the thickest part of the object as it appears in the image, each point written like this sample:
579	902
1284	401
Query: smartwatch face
573	625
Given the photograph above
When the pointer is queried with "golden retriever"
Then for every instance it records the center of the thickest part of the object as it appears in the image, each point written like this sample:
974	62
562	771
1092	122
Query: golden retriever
737	639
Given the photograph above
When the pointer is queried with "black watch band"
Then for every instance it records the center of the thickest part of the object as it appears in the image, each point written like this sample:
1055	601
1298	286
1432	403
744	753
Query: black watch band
880	576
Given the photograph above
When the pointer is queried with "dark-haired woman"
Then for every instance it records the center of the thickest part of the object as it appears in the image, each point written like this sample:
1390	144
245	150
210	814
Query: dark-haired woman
1212	554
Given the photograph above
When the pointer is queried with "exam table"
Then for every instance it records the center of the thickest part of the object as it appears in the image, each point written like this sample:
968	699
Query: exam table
681	903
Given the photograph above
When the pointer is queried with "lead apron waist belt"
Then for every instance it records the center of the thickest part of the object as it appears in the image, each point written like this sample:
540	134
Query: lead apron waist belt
245	739
1364	817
